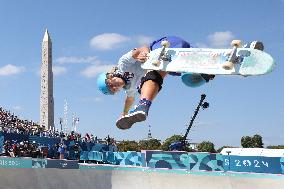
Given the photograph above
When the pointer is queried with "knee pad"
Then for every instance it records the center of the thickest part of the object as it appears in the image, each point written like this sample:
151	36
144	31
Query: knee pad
154	76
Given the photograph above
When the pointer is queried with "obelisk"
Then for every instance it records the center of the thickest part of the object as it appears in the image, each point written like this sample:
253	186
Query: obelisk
46	85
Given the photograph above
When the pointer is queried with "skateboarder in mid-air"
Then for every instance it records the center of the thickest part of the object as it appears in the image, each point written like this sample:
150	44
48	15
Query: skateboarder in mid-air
128	75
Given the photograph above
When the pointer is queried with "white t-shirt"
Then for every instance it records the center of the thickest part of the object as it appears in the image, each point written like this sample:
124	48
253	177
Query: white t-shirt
128	65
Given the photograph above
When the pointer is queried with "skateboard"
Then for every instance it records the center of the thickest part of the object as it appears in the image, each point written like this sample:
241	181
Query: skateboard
195	61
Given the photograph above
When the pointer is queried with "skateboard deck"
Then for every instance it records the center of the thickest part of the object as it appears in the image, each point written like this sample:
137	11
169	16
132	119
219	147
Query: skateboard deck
210	61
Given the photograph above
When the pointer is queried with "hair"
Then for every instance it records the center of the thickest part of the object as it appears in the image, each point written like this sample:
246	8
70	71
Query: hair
113	70
110	73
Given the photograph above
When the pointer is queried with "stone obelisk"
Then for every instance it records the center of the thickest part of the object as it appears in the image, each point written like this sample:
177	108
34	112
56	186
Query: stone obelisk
46	85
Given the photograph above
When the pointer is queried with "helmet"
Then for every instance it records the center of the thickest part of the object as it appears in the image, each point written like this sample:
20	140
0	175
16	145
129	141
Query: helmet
175	42
101	82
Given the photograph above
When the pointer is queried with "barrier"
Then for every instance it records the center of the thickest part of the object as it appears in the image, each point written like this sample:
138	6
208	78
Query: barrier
8	162
233	159
115	158
159	159
128	158
183	160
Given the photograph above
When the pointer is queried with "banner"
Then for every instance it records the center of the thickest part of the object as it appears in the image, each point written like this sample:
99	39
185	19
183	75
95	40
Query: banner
62	164
7	162
15	138
1	142
39	163
255	164
196	161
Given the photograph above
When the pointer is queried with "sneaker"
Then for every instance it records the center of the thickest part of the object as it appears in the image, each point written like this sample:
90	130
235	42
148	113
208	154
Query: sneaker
257	45
208	77
124	122
139	114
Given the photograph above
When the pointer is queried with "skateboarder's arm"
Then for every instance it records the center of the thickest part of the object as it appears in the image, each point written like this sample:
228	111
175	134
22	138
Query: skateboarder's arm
130	58
129	100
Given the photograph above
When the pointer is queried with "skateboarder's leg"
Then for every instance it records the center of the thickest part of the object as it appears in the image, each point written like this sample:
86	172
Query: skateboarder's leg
150	86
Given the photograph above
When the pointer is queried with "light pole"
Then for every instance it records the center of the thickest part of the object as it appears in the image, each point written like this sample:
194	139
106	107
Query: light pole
60	122
202	104
180	145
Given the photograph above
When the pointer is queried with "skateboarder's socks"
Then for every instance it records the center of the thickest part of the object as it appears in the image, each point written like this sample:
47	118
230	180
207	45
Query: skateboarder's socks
145	102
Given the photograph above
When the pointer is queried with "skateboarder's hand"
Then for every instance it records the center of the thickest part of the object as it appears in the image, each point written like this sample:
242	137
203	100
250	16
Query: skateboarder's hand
140	54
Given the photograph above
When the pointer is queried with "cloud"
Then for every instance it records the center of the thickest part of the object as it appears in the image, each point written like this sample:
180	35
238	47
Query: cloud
76	60
221	39
108	41
58	70
94	70
90	99
143	39
17	108
11	70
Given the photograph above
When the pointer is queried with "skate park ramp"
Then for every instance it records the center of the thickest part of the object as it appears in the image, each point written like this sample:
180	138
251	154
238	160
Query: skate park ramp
117	177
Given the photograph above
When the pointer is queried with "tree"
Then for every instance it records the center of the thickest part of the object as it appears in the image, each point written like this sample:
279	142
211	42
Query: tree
252	142
247	142
206	146
127	145
151	144
276	147
257	141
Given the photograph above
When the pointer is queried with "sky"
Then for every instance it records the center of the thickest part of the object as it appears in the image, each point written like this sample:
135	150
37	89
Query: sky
88	37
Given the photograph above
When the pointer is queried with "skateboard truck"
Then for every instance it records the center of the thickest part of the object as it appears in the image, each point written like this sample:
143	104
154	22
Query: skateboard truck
162	55
233	58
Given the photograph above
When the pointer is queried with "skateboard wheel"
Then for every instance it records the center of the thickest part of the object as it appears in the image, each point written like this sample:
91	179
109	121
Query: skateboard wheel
228	65
165	43
236	43
156	63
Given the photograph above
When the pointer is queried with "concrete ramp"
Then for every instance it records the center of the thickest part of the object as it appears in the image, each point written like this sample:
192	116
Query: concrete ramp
133	178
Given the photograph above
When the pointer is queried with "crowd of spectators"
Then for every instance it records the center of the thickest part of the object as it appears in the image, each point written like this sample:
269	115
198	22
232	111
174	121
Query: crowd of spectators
12	124
9	123
22	149
34	150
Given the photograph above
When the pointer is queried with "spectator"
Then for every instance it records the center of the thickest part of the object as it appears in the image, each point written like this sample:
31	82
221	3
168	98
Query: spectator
61	150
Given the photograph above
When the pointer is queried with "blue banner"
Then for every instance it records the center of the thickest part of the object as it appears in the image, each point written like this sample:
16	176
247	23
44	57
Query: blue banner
256	164
1	142
15	138
39	163
44	141
7	162
62	164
